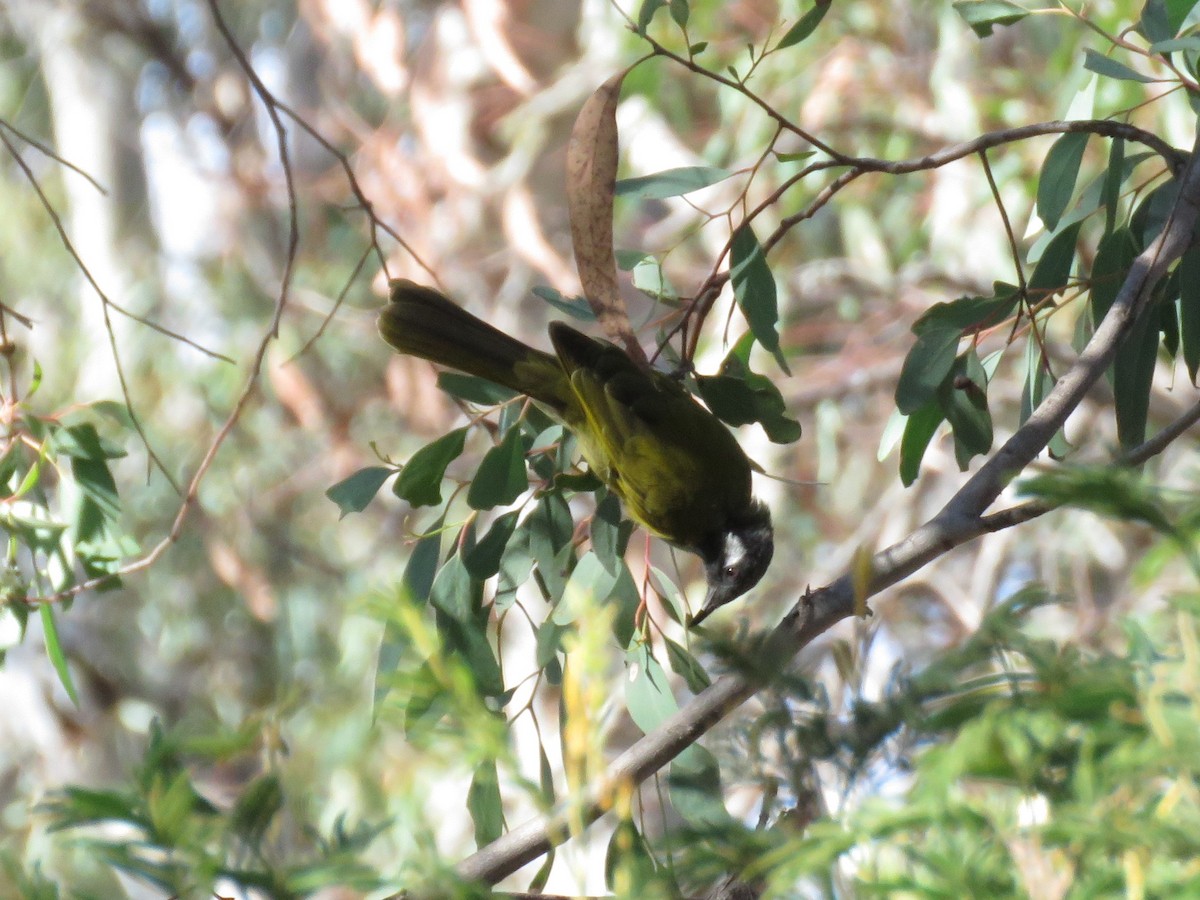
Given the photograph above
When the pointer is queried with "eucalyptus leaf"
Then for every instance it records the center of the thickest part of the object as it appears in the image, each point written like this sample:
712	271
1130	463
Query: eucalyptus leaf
354	493
1104	65
420	481
984	15
1059	173
919	429
804	26
926	367
501	477
754	290
671	182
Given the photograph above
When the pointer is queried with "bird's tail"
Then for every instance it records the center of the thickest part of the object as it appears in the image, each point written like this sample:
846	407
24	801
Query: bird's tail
420	321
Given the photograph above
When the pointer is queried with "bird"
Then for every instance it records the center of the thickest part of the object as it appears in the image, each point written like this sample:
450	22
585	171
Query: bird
679	471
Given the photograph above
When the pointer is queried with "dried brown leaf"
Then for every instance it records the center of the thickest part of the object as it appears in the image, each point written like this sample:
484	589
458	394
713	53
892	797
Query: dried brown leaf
591	179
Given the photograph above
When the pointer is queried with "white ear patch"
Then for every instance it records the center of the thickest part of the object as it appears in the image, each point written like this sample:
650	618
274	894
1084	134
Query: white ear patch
735	550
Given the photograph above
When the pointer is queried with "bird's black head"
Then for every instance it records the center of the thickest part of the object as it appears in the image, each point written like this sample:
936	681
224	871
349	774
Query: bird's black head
737	558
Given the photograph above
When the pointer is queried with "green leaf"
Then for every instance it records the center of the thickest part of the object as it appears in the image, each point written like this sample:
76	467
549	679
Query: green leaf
1155	22
516	565
545	778
754	290
671	182
575	307
918	432
100	505
34	475
548	642
926	367
354	493
679	12
1053	270
628	259
1189	44
970	314
805	25
473	389
80	806
483	560
1114	177
420	481
455	592
112	409
36	381
55	652
646	13
256	807
550	525
1189	309
1151	215
739	396
984	15
1133	372
577	482
423	565
468	639
625	600
694	784
501	478
556	571
1038	380
1103	65
628	862
1038	383
687	666
963	399
648	695
1059	173
606	533
741	401
484	804
591	583
1168	319
84	442
1177	12
1114	256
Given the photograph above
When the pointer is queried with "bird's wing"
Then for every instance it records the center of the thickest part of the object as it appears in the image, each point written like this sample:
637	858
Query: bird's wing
675	465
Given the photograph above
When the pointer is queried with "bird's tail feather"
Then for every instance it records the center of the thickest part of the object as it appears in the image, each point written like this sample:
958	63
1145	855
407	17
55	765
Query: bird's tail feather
420	321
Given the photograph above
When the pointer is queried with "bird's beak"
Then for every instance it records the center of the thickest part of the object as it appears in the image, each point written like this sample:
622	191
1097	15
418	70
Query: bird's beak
712	602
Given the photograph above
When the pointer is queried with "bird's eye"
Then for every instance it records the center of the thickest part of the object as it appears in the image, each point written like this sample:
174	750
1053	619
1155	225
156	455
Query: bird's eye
730	571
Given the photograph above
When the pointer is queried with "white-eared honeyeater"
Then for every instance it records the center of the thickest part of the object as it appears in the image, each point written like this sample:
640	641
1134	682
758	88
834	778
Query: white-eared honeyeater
679	470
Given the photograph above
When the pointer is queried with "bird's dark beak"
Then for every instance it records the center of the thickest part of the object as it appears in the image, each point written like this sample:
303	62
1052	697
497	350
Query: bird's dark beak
713	601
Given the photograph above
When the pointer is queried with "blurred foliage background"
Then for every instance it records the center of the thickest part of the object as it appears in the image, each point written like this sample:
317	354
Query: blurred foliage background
233	722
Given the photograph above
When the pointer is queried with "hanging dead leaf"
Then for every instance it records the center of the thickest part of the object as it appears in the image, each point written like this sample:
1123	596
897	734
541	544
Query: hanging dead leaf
591	180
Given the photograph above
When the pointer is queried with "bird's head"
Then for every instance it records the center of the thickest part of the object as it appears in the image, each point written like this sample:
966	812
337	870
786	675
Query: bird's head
737	558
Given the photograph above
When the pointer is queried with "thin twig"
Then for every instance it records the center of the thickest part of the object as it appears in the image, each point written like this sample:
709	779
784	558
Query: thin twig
49	152
105	303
